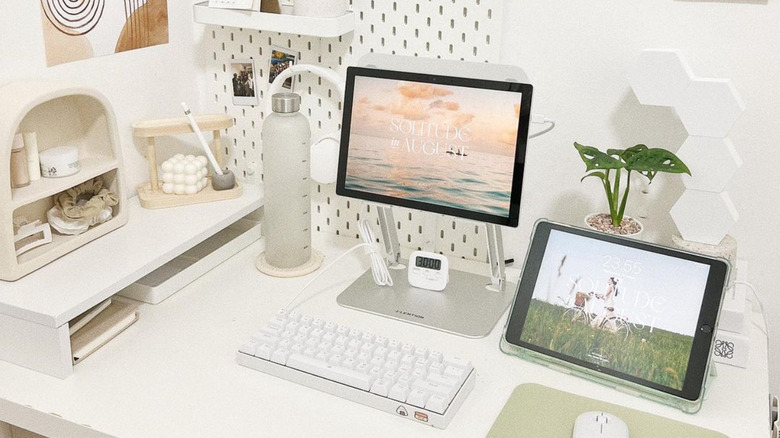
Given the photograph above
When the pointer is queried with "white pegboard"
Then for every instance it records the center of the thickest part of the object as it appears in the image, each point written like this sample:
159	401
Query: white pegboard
466	30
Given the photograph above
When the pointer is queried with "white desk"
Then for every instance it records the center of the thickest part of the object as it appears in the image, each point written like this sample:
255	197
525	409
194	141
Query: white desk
173	373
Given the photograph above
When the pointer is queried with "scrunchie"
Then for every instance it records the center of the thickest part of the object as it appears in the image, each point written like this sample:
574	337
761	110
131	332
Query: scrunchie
72	204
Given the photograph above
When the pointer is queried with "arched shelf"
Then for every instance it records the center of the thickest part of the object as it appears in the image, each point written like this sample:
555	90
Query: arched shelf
60	114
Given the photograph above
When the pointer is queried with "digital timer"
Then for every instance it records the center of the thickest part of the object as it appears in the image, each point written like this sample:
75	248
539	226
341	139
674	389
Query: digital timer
428	270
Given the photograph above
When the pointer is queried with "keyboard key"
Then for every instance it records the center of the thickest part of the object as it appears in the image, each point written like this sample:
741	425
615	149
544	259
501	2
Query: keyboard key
264	338
280	356
380	387
264	351
433	388
338	374
458	373
248	348
399	392
443	380
417	398
437	403
458	362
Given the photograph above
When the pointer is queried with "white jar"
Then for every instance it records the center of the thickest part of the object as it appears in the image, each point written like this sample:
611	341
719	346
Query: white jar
286	141
320	8
59	161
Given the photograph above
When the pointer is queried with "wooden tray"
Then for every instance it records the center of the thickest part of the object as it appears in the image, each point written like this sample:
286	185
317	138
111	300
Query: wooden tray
158	199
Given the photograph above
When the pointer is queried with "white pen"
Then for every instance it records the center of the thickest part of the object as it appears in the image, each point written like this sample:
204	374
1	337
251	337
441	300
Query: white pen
199	134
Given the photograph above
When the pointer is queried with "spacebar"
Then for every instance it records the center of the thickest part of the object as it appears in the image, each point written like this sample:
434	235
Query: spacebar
325	370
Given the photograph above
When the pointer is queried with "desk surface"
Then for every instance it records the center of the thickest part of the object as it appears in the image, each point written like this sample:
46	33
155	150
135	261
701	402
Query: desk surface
174	373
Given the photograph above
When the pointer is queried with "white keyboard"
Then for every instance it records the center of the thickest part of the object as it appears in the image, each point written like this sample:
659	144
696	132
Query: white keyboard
407	380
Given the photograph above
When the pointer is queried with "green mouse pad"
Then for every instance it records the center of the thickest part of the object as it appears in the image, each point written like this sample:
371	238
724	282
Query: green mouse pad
537	411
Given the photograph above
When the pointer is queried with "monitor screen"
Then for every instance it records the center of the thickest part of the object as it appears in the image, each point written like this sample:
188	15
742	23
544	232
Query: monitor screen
449	145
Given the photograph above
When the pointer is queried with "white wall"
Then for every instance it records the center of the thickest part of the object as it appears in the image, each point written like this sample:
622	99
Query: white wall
577	55
140	84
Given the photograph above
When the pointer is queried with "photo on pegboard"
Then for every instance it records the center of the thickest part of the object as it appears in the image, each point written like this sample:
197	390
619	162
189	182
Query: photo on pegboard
244	82
281	60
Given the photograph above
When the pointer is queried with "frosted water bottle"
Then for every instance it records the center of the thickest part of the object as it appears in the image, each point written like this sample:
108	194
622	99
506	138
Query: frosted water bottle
286	141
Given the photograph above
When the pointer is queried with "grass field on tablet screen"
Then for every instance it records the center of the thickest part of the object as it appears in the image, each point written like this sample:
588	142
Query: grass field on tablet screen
659	356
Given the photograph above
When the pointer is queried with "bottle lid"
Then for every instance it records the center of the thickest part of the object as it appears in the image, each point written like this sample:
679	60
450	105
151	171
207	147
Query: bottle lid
285	102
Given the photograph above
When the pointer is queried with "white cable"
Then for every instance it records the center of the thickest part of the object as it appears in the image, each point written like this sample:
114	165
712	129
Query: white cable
545	130
378	266
765	331
359	245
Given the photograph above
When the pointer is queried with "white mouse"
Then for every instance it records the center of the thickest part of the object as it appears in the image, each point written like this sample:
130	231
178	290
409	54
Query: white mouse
599	424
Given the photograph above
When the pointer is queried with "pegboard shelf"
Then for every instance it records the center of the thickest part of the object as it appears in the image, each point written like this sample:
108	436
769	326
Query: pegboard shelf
283	23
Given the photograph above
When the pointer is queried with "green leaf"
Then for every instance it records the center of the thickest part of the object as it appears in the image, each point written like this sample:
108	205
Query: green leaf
595	159
651	161
629	153
601	175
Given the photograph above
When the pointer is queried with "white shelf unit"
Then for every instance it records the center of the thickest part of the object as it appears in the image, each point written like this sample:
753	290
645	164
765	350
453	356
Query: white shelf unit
166	280
283	23
59	114
35	310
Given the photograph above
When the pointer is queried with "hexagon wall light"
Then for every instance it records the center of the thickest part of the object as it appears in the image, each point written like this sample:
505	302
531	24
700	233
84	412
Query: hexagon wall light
713	160
708	108
704	217
660	77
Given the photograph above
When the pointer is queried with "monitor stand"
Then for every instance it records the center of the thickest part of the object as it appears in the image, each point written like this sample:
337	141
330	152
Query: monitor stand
470	305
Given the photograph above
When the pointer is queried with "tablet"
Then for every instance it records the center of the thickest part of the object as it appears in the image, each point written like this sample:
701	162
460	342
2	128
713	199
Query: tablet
634	315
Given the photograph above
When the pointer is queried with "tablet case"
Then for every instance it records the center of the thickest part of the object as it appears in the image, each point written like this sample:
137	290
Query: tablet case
637	389
538	411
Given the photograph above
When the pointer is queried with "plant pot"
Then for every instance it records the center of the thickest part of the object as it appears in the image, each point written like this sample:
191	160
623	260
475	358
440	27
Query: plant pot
629	227
320	8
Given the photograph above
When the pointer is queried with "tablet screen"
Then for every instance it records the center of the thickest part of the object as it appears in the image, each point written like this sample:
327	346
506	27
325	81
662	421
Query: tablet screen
619	306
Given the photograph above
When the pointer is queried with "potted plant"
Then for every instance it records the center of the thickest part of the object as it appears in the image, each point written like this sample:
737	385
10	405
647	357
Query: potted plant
609	167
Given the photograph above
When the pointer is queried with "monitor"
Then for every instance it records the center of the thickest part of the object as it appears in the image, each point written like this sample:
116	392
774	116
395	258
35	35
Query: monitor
447	144
443	144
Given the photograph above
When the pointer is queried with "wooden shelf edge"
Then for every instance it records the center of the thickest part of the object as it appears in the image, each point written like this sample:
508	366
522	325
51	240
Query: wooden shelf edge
181	125
158	199
283	23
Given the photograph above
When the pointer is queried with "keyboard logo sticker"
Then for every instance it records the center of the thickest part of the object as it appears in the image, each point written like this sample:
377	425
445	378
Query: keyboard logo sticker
422	416
402	411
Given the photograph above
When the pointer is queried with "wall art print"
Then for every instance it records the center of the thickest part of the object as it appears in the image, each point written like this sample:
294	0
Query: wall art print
74	30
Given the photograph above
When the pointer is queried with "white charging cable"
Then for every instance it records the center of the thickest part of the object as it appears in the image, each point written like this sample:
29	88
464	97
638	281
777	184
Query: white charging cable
752	288
289	305
540	119
378	265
